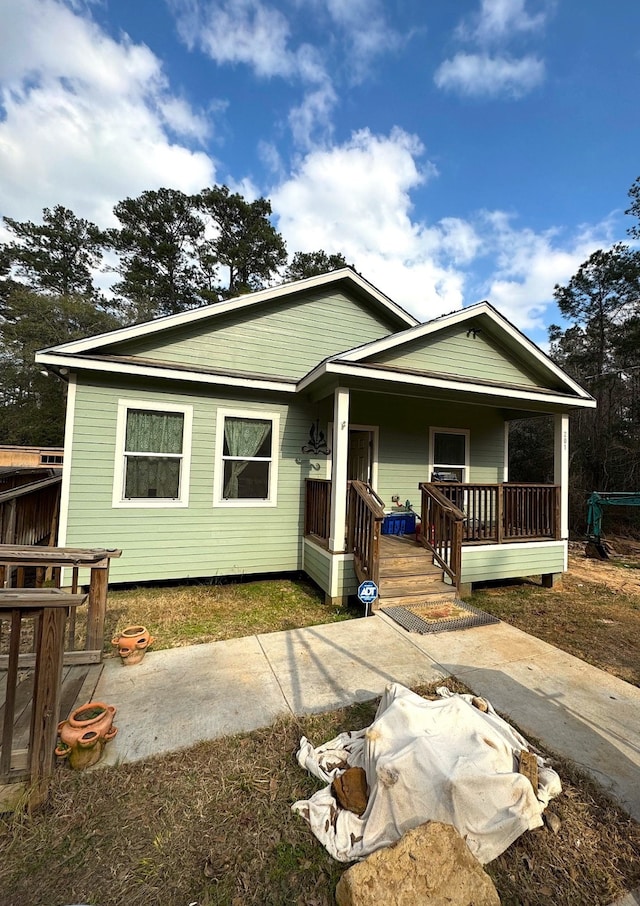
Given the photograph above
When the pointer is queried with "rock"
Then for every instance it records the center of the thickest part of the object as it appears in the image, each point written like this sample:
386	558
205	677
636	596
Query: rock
350	789
552	821
429	866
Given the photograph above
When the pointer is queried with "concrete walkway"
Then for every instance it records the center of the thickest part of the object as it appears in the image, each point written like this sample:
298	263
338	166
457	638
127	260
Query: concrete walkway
178	697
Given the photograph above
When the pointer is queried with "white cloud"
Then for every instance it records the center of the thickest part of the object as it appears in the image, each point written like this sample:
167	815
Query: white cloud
310	121
257	34
86	120
528	265
481	75
355	199
366	30
238	31
500	19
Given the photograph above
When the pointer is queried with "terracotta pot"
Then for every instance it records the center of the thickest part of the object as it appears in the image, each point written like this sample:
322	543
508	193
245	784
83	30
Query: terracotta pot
132	644
84	735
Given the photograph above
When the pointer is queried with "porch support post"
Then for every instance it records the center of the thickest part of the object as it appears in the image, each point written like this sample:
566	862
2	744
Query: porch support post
561	470
339	469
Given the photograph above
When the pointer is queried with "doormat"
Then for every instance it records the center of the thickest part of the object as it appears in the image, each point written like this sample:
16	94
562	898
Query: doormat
443	616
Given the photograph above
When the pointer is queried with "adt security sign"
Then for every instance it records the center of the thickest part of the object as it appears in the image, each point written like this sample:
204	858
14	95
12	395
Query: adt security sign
367	593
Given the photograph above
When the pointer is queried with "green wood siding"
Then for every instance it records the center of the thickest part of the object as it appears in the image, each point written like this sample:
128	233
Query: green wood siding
452	352
510	561
317	565
198	540
203	540
404	440
285	338
347	579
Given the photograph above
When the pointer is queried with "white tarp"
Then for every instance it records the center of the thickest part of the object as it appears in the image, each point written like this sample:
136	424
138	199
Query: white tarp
441	760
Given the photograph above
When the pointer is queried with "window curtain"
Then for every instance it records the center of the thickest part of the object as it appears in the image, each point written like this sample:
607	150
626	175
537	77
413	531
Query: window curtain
156	433
243	437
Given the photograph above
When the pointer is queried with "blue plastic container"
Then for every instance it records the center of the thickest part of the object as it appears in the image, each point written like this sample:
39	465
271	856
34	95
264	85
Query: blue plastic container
399	524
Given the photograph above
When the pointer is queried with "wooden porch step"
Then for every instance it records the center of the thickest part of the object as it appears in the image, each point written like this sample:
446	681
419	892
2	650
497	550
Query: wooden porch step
437	592
408	566
410	585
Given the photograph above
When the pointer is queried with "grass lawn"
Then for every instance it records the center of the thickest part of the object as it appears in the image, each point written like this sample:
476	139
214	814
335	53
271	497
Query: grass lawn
190	614
213	826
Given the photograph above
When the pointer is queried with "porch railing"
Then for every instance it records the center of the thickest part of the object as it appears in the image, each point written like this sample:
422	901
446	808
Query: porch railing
497	513
365	513
317	508
35	617
442	530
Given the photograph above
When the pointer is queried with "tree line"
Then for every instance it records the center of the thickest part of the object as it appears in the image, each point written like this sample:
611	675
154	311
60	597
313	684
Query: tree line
600	348
169	252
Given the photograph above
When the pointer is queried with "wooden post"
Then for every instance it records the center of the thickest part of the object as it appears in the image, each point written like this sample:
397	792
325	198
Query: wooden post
339	470
500	515
46	700
561	471
10	696
456	553
97	607
11	523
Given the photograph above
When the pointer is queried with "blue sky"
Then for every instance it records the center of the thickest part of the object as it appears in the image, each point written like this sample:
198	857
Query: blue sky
453	151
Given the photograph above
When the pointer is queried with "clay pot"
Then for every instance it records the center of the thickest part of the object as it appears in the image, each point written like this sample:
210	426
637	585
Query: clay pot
132	644
84	735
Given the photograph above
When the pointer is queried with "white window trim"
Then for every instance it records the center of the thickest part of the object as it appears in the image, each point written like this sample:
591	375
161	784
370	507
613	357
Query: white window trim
119	500
218	485
466	432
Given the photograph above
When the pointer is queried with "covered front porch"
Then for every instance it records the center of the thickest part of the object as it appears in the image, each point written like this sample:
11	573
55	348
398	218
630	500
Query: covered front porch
387	448
463	530
423	417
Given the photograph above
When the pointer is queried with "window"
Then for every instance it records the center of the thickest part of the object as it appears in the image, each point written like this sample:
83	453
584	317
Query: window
247	445
153	443
449	454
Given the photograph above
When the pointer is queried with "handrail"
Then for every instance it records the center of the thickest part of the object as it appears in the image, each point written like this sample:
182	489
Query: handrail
442	522
370	498
31	488
364	526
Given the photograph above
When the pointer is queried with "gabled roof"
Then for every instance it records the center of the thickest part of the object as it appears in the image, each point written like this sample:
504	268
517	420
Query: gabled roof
373	362
357	362
346	276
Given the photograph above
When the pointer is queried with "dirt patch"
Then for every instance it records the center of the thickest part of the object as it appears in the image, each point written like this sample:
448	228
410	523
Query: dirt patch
620	573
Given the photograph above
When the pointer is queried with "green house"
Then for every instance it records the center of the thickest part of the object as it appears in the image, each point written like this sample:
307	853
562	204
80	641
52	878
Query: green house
277	431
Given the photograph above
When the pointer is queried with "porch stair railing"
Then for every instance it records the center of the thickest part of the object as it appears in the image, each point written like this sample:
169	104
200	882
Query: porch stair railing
442	529
365	514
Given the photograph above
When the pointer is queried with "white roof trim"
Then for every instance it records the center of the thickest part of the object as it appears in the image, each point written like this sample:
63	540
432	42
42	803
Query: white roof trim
174	374
239	302
348	369
480	308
